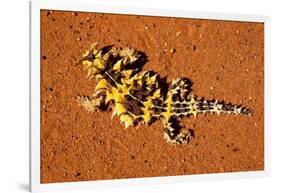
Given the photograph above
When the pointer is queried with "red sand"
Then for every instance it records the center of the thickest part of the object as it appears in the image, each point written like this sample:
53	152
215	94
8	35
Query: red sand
223	59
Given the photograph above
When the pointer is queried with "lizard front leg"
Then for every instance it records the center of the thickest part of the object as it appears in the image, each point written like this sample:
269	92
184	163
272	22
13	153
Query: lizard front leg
175	134
97	100
94	102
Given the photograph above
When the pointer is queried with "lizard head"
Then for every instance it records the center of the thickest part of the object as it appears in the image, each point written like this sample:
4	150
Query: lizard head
112	59
93	61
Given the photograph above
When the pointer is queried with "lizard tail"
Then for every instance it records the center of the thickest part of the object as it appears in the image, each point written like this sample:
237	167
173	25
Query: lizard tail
214	106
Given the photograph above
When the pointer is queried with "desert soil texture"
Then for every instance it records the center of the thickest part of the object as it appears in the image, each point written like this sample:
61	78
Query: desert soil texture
223	59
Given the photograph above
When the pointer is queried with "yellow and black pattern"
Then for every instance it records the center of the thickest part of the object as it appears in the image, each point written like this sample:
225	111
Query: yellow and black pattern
141	96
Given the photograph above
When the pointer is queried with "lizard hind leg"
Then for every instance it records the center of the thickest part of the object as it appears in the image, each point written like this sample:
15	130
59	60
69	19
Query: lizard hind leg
175	134
180	89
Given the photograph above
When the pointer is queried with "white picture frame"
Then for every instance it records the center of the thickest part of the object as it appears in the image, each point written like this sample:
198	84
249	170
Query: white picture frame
36	6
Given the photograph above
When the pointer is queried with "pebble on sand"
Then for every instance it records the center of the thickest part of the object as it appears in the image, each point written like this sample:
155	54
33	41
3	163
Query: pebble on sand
178	33
172	50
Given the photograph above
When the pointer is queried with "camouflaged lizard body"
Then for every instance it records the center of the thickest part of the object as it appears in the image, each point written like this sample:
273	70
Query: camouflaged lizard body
140	96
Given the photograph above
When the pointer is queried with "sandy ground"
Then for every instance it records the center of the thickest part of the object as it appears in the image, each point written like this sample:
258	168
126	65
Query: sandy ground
223	59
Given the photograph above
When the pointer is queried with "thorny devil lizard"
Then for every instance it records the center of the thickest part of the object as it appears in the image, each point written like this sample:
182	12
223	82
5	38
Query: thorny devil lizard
142	96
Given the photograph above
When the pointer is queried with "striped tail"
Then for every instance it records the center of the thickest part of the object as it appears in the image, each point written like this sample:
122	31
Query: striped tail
214	106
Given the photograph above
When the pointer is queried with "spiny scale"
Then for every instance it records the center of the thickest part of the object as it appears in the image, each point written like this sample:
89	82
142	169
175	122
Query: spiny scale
140	96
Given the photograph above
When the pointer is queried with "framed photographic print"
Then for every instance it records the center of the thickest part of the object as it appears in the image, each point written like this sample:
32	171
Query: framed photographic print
124	96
